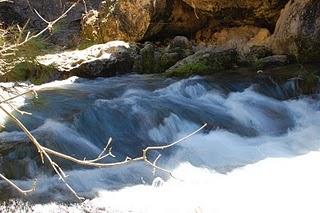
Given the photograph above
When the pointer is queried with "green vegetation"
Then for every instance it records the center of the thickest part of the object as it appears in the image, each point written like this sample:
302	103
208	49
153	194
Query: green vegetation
20	63
190	69
85	43
33	71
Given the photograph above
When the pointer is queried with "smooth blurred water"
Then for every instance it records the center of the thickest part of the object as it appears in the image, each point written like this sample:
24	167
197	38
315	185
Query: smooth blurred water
248	121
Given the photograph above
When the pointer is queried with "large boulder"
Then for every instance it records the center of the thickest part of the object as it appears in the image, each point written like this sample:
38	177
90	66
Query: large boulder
133	20
136	20
249	34
206	61
122	20
153	59
31	71
241	38
298	31
140	20
102	60
272	61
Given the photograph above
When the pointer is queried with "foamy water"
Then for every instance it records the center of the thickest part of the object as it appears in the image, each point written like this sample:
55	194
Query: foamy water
8	90
272	185
261	154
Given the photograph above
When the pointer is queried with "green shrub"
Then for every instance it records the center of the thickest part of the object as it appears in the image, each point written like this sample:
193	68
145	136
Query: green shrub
23	57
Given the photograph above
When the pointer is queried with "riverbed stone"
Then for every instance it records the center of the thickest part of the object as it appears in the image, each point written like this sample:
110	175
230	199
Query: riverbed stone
272	61
157	59
209	60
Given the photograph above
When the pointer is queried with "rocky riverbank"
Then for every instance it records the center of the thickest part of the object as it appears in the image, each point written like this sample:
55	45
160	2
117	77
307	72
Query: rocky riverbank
175	37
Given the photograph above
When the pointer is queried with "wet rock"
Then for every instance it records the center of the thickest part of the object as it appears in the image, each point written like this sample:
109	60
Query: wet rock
205	61
253	54
101	60
148	59
179	46
272	61
169	59
258	52
298	31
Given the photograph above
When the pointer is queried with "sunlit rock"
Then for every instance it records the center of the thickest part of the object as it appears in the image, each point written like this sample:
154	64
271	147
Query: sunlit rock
298	30
100	60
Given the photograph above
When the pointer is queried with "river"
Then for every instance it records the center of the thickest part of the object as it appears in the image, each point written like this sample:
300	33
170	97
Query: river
259	152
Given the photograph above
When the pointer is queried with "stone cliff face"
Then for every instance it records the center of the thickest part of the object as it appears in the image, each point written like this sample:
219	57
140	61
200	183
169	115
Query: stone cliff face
118	20
265	10
288	27
134	20
238	24
298	30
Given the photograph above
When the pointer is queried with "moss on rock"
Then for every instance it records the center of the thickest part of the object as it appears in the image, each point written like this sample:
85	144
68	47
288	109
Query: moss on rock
208	61
33	71
190	69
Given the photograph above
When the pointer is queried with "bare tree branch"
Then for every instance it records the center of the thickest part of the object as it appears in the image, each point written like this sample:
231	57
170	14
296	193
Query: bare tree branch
4	49
25	192
41	151
17	96
46	152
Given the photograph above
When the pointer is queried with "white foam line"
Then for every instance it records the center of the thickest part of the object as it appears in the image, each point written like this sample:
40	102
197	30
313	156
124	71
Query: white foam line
272	185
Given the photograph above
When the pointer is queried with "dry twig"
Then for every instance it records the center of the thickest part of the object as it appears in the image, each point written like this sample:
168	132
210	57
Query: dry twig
13	47
46	152
25	192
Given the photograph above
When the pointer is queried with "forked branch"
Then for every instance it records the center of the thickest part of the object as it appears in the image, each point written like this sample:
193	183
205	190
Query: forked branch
13	47
46	153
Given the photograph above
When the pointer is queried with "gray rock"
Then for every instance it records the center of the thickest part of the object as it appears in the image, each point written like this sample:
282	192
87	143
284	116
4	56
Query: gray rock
271	61
102	60
154	59
206	61
256	52
148	61
180	42
298	31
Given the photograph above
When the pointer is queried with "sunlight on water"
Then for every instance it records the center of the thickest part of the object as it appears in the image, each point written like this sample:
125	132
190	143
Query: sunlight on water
259	154
272	185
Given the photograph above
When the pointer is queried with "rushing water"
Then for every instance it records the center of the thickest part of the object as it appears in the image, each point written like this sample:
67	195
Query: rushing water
246	160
